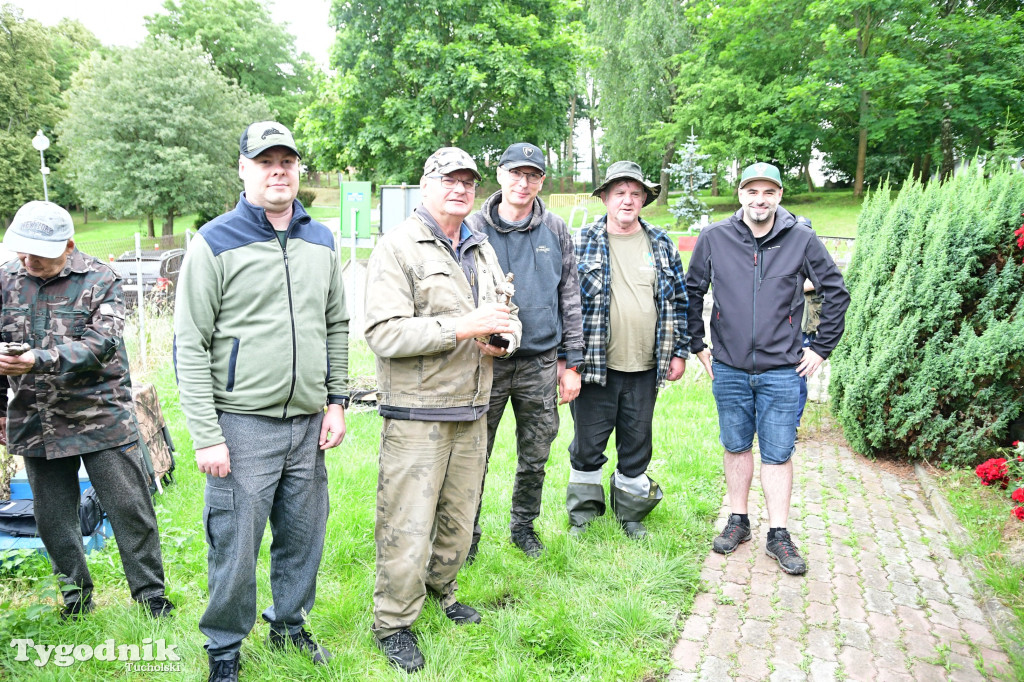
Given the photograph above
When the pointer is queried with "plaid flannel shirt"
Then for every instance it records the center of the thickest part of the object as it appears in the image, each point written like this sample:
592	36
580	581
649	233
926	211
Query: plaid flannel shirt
671	338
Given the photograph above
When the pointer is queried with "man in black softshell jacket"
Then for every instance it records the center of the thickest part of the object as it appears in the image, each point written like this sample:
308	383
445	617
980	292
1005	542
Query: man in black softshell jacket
755	263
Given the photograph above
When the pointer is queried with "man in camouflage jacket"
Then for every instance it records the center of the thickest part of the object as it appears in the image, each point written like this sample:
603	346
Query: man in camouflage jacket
72	401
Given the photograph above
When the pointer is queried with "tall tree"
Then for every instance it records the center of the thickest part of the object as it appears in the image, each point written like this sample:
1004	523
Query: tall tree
29	101
246	44
635	77
154	131
412	77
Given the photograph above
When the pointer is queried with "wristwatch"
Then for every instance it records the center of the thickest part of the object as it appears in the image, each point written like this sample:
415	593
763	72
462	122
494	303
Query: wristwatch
578	368
345	400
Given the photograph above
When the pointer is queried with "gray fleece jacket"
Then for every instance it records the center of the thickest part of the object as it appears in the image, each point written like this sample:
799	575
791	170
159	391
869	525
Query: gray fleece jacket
541	256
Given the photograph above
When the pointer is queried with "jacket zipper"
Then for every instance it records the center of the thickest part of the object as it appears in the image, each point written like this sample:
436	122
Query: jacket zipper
291	320
753	317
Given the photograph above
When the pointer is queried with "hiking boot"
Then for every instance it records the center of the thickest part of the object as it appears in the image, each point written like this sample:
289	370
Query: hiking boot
732	535
784	551
526	540
401	650
159	606
460	614
225	670
471	555
76	609
300	640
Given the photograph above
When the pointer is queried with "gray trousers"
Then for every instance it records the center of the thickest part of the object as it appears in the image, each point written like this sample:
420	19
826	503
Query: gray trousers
530	383
123	489
277	472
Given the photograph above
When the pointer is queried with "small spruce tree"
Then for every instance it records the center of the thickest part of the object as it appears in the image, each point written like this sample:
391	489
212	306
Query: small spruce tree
690	175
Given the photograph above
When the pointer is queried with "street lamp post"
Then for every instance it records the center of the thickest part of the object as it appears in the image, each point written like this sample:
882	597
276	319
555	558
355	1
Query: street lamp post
42	143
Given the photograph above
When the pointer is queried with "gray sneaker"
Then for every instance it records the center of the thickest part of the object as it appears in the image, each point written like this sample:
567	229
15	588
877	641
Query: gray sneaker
734	533
784	551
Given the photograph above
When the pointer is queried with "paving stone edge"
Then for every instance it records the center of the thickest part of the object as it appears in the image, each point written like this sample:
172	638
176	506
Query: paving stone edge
1000	618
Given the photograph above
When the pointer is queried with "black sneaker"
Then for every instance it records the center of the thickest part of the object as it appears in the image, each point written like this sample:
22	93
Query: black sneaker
460	614
784	551
224	670
471	555
300	640
76	609
401	650
159	606
734	533
526	539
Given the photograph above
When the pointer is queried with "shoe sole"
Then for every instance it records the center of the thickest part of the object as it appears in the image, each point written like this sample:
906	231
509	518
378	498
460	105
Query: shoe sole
784	569
730	551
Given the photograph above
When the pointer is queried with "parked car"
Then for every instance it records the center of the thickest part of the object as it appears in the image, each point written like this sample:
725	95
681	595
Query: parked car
159	271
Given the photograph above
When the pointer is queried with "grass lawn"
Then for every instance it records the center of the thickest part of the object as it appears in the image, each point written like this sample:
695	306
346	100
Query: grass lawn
996	539
597	608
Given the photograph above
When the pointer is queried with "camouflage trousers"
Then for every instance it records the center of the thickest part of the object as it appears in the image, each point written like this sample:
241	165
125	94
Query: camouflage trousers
529	382
428	483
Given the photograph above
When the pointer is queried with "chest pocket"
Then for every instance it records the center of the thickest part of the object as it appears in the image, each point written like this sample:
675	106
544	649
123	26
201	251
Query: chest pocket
436	291
590	277
14	327
67	325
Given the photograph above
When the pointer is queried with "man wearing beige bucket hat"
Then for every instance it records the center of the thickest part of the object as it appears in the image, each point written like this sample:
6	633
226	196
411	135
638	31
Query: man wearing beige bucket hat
634	327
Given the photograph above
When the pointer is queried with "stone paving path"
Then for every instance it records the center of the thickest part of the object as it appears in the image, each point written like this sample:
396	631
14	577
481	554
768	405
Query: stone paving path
883	598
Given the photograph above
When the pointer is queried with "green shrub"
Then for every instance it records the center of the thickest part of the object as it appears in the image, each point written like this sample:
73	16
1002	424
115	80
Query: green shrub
307	196
932	363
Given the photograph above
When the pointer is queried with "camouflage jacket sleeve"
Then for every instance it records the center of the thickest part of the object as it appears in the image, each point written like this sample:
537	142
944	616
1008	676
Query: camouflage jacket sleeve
99	340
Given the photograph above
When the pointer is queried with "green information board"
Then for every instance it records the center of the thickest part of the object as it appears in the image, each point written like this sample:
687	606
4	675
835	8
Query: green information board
355	209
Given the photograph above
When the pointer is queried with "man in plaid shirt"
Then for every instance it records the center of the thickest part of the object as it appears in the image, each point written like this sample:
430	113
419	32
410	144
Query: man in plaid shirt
634	326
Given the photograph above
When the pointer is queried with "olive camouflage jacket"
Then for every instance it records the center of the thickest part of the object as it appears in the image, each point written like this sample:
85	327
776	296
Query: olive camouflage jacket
77	399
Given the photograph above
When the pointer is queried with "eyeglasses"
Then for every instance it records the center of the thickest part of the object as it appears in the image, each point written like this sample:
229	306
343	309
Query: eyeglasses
531	178
448	182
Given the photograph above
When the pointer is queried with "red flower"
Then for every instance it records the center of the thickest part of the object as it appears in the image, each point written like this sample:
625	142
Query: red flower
1018	495
1019	512
993	471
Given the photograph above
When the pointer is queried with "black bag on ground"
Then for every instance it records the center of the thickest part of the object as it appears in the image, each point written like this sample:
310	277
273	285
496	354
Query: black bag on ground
17	517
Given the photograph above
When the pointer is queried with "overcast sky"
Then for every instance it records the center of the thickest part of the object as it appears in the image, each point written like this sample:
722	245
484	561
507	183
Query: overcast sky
120	22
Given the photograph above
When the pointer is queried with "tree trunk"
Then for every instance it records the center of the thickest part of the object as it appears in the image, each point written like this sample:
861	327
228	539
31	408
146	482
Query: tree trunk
663	179
150	230
570	154
85	215
714	184
946	142
168	230
926	168
862	146
915	170
807	175
593	157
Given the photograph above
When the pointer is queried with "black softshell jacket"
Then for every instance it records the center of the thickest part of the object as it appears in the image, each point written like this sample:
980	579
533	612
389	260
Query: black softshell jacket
758	293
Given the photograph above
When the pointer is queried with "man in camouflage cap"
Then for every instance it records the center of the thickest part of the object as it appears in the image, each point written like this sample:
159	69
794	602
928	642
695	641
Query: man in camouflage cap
435	322
72	403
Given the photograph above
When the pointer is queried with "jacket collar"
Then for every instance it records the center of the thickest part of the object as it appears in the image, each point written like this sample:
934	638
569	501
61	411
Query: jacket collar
259	215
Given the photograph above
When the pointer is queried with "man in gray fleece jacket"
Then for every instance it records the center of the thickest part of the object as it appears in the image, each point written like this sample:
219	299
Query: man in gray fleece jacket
534	245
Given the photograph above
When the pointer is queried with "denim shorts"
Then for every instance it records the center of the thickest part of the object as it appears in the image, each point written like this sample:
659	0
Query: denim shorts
766	403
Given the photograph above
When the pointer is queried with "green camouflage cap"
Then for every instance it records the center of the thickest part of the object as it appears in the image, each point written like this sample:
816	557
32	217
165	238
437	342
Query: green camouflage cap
263	135
448	160
761	171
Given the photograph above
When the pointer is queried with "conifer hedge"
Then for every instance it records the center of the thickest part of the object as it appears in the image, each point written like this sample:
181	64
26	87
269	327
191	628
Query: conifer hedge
932	362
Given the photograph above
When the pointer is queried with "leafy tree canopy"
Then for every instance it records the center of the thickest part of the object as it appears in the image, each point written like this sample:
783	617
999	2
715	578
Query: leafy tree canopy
29	101
246	44
415	76
154	131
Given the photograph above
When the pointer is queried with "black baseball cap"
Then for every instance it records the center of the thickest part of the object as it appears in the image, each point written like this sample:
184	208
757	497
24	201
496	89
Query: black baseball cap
523	154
